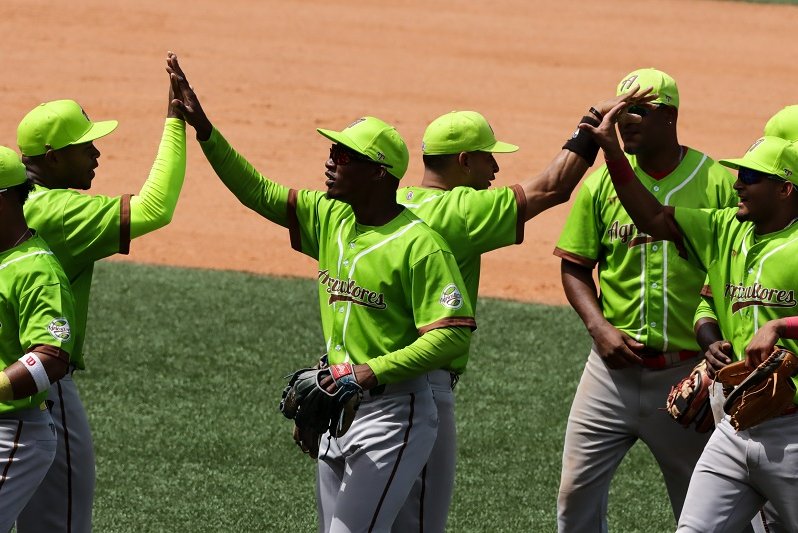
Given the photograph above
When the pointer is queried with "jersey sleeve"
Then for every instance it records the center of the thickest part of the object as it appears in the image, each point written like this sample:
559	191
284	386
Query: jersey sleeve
437	294
155	204
45	317
699	230
493	218
310	213
705	309
94	227
265	197
580	238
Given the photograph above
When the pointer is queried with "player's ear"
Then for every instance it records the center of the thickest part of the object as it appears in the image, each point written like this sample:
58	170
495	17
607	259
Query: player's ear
463	159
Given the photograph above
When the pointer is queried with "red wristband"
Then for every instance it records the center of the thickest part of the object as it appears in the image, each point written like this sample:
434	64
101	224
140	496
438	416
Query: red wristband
791	327
621	171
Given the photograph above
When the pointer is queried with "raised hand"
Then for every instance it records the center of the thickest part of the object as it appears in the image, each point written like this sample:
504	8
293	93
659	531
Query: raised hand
185	102
635	96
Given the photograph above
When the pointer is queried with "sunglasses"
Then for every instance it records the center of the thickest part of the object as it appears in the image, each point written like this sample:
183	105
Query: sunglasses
750	176
641	110
341	155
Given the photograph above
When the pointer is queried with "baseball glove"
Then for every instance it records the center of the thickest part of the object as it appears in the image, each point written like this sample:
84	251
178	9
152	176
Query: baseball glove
753	396
688	400
316	411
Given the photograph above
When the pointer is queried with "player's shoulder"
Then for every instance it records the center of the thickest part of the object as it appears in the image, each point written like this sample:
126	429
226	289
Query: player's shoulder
43	198
712	170
33	264
419	235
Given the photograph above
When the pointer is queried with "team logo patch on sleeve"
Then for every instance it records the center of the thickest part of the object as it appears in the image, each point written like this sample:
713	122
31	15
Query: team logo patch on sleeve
59	329
451	297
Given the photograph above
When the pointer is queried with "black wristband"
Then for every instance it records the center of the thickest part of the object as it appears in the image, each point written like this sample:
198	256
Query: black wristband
582	143
595	112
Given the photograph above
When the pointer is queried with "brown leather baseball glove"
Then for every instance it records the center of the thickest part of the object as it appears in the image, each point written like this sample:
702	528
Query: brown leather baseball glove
753	396
688	400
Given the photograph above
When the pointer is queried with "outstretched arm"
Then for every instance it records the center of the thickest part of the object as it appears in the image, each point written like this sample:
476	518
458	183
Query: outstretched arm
262	195
155	203
647	213
555	184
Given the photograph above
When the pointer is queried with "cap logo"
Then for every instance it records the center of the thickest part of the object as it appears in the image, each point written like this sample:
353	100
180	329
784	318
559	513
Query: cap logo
627	83
380	156
787	172
355	123
451	297
756	143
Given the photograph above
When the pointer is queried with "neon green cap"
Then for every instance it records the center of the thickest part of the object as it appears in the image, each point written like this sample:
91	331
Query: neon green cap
784	124
54	125
12	171
376	140
461	131
664	86
771	155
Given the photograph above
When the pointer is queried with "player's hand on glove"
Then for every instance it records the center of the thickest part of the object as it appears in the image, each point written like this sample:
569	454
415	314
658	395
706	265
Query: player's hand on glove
363	376
616	348
718	354
186	102
316	410
763	342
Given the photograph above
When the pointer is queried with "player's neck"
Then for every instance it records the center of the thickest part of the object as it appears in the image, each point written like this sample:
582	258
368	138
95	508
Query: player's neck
14	233
660	163
434	180
376	213
777	222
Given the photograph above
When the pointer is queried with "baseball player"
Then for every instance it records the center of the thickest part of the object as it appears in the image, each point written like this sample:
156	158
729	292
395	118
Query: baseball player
454	199
394	313
641	321
36	340
56	140
749	256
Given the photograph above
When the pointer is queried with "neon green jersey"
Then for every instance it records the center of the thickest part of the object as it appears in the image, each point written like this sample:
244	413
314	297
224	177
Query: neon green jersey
36	308
80	230
380	288
472	222
753	278
647	290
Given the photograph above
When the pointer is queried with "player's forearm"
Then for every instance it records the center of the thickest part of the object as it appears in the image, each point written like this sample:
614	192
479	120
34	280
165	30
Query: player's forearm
252	189
707	332
555	184
645	210
155	204
434	350
33	373
580	290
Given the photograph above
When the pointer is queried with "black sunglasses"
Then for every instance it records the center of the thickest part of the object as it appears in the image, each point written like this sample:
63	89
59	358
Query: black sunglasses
342	156
750	176
641	110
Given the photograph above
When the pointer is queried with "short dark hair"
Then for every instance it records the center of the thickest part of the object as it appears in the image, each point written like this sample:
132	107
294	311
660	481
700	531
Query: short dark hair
438	162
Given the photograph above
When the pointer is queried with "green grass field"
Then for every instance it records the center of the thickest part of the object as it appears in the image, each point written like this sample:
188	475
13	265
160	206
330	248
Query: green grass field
185	373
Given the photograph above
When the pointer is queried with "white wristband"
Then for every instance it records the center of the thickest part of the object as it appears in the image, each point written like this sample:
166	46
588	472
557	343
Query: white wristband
34	365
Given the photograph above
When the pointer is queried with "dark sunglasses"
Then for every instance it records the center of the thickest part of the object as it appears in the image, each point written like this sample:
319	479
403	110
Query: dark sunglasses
342	156
750	176
641	110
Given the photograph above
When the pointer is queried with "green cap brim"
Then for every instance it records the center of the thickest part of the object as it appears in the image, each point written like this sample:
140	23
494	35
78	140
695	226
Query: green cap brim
341	138
501	148
737	163
97	130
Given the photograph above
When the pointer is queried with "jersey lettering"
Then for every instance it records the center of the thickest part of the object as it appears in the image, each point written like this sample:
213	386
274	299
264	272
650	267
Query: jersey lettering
756	294
347	290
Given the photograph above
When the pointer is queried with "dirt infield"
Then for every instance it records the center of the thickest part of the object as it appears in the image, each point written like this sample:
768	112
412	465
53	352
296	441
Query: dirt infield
270	72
